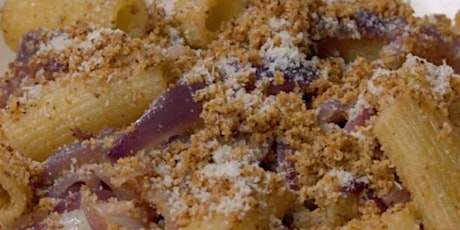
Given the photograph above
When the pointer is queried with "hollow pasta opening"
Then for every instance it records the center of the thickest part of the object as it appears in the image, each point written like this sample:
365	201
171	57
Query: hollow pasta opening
222	11
5	199
132	19
350	49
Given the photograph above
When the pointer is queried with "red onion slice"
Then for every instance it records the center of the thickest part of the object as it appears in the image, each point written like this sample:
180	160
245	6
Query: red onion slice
23	68
119	192
268	159
30	44
95	218
377	200
374	32
427	42
279	159
332	111
101	215
372	26
396	195
286	165
72	183
171	114
69	203
75	155
300	73
360	119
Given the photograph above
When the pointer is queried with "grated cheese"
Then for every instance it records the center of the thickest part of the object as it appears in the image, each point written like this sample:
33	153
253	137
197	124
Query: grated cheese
277	23
231	169
378	73
345	178
57	43
284	56
358	107
438	76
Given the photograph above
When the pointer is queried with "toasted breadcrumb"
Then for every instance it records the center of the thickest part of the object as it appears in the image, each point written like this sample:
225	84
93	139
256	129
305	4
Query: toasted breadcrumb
217	171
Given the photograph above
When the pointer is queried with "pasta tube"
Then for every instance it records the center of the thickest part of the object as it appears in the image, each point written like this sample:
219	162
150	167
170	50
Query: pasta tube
15	193
399	217
199	20
426	153
20	17
82	104
404	218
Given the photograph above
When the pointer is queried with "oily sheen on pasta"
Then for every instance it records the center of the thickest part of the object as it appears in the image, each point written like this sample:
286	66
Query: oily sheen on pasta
254	114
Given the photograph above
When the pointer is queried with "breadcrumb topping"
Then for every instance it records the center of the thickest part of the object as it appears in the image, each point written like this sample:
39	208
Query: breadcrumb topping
270	151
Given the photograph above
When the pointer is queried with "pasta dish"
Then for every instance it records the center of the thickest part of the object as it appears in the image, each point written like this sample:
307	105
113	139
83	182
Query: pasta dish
229	114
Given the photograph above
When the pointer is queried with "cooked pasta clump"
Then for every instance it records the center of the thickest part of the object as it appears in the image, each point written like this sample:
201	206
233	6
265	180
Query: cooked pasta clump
219	114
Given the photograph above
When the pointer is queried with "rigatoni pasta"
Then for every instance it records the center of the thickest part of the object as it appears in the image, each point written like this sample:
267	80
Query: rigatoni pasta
273	120
19	17
405	217
15	186
199	20
400	217
100	101
426	152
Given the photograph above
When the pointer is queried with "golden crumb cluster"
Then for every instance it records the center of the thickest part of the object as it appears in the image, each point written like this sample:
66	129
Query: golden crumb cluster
248	114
